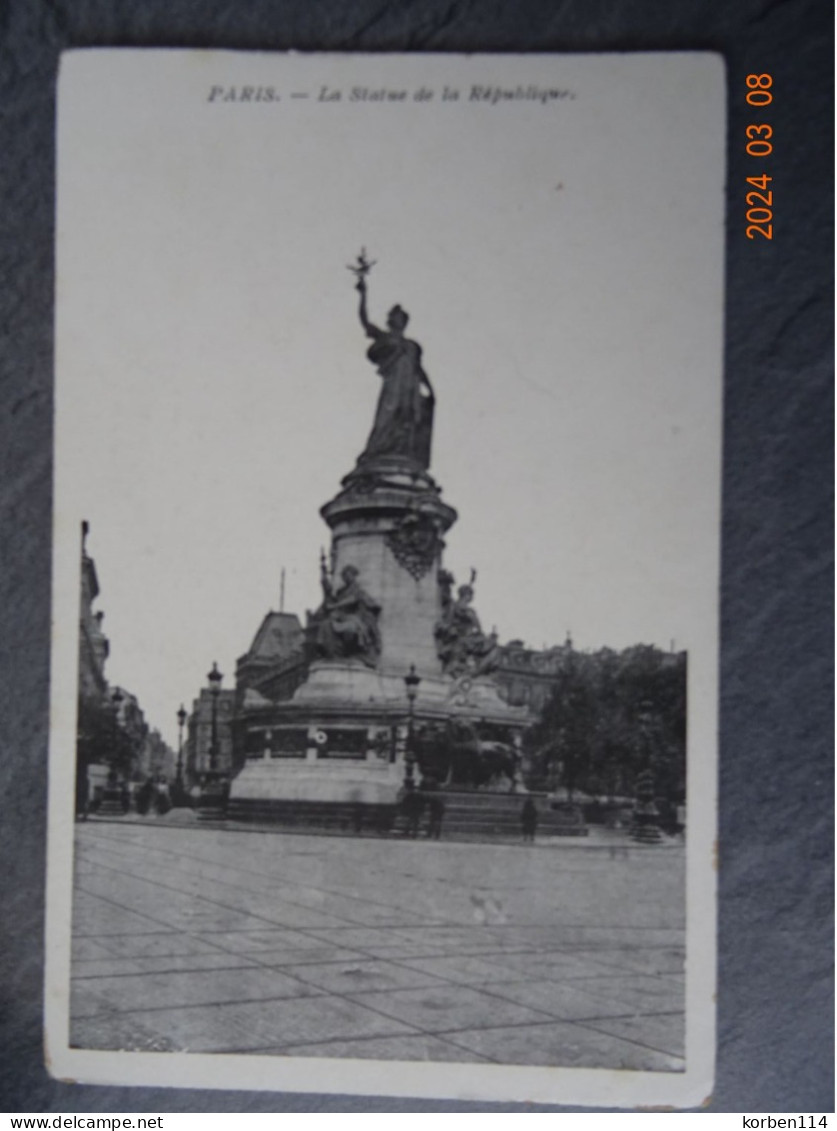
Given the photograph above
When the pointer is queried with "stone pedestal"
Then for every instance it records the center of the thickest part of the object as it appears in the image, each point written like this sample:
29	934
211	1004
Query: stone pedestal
390	527
341	739
350	686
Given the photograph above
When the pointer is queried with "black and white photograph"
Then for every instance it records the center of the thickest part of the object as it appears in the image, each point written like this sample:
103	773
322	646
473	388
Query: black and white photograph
385	580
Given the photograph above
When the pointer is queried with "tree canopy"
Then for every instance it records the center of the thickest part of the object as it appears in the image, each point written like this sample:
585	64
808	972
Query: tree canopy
610	716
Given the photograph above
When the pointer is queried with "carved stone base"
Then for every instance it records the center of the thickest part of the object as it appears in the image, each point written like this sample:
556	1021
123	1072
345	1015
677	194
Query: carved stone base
365	783
342	738
354	687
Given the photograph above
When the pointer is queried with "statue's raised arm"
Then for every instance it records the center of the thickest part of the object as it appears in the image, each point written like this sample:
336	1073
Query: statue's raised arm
360	270
372	331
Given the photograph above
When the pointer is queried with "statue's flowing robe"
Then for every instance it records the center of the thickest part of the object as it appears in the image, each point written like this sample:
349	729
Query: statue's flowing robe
404	416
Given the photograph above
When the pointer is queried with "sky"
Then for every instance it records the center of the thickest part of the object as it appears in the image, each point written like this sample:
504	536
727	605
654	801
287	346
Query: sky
561	261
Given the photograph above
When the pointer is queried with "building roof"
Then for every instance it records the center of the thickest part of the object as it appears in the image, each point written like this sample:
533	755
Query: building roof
279	637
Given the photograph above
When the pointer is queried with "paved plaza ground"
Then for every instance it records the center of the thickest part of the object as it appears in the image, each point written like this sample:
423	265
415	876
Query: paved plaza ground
210	940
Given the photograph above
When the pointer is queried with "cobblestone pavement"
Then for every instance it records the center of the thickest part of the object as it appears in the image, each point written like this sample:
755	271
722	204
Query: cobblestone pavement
211	940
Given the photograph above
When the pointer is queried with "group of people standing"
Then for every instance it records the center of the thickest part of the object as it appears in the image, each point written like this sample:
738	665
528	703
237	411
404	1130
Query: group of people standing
153	795
414	804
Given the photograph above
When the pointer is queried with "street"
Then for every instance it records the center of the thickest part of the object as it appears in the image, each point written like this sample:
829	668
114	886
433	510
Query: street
210	940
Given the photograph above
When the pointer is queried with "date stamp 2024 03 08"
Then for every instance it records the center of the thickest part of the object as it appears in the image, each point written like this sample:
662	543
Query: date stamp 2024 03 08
759	144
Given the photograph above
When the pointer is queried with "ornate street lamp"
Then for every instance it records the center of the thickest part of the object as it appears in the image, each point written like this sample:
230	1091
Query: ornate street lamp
214	678
645	826
411	682
116	699
645	717
212	800
181	723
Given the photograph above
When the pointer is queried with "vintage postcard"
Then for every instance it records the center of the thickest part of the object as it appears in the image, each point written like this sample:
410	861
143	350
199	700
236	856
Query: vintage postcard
387	521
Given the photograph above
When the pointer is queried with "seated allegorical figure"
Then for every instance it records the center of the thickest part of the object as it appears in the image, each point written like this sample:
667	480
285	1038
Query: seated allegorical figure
461	644
348	621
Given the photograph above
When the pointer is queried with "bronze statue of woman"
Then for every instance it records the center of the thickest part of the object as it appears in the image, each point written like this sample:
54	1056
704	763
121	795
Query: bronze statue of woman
404	416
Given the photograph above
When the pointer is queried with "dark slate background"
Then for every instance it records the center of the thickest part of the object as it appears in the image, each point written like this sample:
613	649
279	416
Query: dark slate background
775	1050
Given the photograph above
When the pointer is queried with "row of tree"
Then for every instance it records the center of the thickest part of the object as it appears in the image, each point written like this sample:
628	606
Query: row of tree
101	740
125	748
610	716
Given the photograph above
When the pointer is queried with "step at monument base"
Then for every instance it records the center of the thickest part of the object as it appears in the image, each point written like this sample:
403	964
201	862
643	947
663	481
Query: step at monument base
478	813
473	815
341	816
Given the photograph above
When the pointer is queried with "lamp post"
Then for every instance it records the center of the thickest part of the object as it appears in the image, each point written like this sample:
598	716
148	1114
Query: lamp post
645	828
214	678
645	718
212	802
181	723
116	699
411	682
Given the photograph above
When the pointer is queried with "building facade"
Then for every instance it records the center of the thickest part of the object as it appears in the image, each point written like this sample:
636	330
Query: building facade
210	711
93	644
114	744
526	677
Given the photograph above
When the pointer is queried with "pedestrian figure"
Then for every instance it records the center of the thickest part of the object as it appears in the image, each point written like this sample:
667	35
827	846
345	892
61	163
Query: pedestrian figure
144	797
529	819
162	797
436	807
